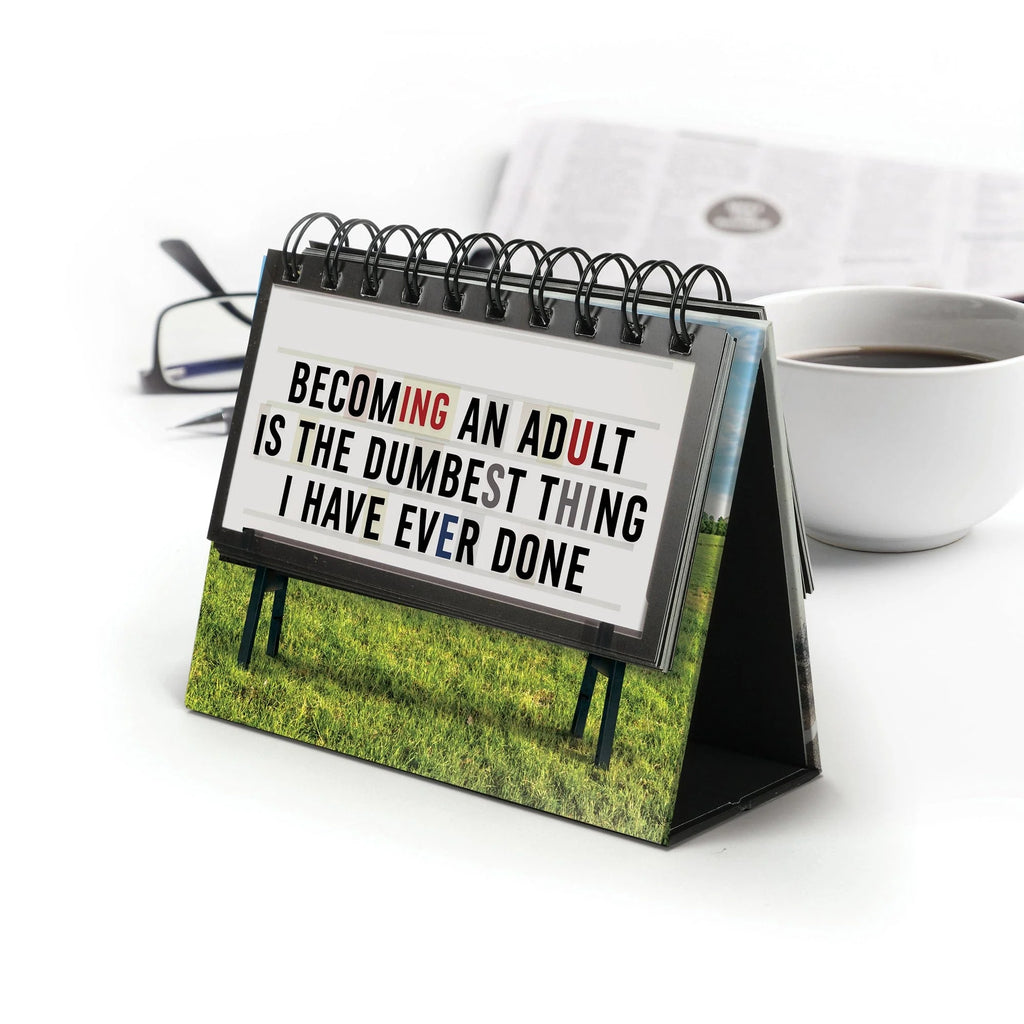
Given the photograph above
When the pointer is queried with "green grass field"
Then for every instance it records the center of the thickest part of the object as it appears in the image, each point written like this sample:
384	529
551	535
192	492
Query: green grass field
466	704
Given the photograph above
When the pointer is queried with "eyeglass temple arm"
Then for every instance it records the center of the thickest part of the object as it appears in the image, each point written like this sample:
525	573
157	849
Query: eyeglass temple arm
186	257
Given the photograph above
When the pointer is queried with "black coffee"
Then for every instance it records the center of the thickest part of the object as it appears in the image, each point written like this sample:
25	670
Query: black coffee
890	358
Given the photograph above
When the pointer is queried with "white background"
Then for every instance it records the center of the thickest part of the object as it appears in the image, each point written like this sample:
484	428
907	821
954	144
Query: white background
159	865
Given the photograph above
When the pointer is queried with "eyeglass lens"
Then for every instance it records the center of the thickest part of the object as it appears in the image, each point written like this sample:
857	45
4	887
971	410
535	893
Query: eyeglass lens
201	344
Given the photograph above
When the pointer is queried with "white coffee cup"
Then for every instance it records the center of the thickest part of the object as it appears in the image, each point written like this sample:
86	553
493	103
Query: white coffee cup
900	459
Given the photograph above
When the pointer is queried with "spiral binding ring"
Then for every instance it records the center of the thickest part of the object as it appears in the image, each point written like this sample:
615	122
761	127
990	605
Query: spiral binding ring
377	247
496	305
586	321
681	337
633	329
721	284
292	260
462	249
332	257
452	294
540	315
416	254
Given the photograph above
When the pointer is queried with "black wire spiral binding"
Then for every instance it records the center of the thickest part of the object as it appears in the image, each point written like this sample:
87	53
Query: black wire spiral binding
332	272
416	254
683	339
540	315
460	257
463	251
496	305
290	249
633	326
376	249
586	319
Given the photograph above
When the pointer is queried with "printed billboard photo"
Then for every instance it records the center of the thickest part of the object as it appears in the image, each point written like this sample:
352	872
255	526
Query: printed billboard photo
463	703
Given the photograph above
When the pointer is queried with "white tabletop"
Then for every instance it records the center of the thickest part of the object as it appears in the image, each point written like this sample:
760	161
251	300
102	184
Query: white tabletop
165	865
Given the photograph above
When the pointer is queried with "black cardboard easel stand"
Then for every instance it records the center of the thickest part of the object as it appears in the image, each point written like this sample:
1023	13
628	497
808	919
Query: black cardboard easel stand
615	671
265	581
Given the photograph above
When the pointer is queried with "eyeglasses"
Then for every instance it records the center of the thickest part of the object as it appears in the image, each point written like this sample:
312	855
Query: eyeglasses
199	344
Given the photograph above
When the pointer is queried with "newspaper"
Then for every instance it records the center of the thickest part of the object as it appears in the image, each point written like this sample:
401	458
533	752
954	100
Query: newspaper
771	217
